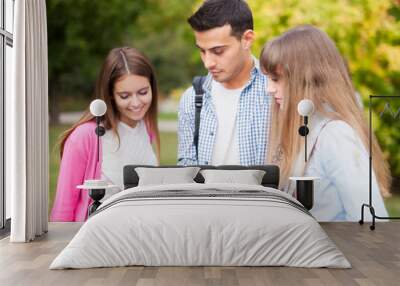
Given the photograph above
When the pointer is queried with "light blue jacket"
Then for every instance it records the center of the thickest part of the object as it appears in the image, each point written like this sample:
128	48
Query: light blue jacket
341	161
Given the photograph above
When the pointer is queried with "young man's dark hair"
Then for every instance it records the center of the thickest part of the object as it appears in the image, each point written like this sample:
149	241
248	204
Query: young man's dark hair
217	13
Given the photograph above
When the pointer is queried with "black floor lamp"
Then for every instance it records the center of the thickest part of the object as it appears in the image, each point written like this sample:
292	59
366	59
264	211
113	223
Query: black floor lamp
97	188
370	205
305	185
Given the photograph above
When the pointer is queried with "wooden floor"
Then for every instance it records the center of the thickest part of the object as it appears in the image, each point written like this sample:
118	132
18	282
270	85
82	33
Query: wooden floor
374	255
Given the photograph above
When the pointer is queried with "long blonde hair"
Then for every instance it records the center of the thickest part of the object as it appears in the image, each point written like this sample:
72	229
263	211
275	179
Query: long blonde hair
311	67
118	63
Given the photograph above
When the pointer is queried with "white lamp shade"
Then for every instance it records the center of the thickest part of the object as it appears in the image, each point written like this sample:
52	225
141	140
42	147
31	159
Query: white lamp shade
98	107
305	107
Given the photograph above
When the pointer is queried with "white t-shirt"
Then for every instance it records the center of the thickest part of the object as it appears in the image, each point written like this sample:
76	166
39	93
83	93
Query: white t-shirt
226	103
134	148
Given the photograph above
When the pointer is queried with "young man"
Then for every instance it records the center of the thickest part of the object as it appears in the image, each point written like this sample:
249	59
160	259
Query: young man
235	113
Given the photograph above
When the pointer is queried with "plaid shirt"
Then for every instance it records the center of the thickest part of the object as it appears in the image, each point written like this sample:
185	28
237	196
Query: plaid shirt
253	122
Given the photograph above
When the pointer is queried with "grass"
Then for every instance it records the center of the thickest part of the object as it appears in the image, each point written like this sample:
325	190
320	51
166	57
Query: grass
73	103
168	157
167	116
393	205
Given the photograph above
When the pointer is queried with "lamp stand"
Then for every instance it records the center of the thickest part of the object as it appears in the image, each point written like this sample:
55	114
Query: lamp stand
303	131
100	131
305	138
370	205
96	195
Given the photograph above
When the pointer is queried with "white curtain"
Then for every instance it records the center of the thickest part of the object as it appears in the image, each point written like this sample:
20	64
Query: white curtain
27	124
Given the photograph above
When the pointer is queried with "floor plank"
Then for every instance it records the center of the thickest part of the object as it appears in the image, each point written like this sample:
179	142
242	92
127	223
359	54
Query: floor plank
374	255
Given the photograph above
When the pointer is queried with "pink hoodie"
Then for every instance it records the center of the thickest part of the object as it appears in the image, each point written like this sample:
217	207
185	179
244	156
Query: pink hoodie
78	163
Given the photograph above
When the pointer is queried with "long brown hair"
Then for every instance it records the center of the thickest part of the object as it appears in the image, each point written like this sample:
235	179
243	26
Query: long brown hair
119	62
311	67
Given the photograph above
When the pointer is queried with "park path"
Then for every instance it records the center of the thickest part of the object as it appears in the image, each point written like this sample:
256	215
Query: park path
163	125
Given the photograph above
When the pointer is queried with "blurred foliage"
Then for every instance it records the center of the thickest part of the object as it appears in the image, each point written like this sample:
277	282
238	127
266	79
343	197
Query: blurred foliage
80	34
163	34
367	32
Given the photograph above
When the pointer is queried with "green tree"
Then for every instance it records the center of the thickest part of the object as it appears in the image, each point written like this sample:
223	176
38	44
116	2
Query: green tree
367	33
164	34
80	33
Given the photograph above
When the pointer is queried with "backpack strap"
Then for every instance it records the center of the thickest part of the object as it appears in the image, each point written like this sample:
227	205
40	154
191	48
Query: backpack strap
198	104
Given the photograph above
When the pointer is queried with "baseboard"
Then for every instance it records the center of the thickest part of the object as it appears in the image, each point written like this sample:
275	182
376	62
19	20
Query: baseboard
5	231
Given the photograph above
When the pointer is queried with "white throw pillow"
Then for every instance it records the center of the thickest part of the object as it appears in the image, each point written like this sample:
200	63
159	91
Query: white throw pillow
165	176
248	177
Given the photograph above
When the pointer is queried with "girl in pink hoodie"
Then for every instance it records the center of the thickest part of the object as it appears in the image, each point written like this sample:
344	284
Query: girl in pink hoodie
127	84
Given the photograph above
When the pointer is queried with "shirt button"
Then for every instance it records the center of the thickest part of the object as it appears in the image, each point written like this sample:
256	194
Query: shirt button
206	162
211	133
